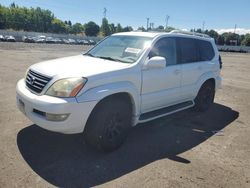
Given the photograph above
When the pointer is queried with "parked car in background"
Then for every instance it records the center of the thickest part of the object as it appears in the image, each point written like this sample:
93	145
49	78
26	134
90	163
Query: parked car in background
92	42
50	40
2	38
29	39
40	39
72	41
85	42
10	38
58	41
79	41
65	41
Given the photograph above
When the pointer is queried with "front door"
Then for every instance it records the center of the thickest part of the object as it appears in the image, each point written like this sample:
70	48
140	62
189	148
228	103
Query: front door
161	87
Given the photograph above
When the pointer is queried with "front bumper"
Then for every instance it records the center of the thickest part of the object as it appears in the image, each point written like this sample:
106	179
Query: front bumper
75	123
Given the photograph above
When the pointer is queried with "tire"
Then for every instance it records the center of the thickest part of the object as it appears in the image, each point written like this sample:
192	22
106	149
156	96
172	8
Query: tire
109	124
205	97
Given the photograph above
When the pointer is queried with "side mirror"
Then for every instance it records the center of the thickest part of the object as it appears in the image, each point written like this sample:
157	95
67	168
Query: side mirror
156	62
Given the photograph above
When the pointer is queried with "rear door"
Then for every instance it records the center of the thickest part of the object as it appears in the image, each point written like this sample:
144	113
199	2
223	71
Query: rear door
194	57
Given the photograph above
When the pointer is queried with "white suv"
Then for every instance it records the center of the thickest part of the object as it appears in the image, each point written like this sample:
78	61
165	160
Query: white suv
126	79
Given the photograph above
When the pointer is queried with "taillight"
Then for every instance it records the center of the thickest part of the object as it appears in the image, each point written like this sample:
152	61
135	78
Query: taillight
220	62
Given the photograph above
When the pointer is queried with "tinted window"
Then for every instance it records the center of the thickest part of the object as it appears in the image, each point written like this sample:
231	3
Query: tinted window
188	50
165	47
206	50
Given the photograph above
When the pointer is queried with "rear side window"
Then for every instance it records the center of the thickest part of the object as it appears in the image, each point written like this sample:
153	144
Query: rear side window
206	50
188	50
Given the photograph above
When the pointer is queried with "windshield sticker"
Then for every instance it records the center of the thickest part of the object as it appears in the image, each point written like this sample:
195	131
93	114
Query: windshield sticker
133	50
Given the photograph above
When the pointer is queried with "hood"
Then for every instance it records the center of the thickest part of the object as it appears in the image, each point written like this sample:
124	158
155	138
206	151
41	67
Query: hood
77	66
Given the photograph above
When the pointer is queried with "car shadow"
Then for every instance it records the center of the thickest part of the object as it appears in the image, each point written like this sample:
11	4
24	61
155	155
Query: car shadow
66	161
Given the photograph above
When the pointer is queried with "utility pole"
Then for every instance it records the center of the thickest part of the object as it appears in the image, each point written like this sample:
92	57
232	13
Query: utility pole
203	26
147	23
167	18
151	25
104	12
236	41
235	27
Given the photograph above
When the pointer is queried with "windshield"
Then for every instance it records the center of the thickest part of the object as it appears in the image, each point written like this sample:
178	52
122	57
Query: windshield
126	49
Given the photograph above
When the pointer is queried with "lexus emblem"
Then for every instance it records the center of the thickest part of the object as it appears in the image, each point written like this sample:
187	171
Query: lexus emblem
32	80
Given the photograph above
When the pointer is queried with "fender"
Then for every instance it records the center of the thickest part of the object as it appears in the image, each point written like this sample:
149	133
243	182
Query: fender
100	92
203	78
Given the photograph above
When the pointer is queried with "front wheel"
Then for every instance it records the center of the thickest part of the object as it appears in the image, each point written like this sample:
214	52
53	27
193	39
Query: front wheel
108	125
205	97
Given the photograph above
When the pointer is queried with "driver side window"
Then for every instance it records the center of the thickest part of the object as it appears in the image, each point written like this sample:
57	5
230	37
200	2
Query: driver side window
165	47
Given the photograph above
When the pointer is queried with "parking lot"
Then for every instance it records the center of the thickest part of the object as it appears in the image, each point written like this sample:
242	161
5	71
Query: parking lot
187	149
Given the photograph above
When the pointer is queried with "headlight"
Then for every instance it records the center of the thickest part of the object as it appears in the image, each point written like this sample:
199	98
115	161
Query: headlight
69	87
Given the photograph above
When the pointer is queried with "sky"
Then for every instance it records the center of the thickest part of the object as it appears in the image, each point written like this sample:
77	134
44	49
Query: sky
221	15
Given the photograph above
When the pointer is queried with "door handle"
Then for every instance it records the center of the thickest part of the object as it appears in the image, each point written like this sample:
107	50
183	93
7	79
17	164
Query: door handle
200	68
177	71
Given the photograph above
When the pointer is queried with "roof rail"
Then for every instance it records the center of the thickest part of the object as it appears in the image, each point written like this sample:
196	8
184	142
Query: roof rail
190	33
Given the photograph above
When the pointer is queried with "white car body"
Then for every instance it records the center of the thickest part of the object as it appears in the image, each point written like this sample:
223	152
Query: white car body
146	87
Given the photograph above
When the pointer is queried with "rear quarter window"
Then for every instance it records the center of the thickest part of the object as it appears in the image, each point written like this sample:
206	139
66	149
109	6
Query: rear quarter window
206	51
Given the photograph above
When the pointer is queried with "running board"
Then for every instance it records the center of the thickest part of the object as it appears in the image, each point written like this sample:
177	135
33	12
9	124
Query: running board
165	111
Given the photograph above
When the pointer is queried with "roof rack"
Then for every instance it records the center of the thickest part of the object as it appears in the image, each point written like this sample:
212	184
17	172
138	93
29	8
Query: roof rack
190	33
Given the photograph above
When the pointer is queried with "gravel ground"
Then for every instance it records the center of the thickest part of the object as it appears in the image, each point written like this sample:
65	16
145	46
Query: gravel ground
181	150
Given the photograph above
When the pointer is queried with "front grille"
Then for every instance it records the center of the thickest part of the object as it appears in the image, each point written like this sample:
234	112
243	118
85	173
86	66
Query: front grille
36	82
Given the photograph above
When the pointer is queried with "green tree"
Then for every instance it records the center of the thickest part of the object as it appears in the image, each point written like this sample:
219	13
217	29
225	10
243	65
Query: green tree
141	28
77	28
58	26
105	30
160	27
198	30
246	40
168	29
127	29
118	28
212	33
112	28
241	38
3	17
230	38
220	40
69	23
91	29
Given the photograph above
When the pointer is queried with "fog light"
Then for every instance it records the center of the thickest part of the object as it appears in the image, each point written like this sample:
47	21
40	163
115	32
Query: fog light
56	117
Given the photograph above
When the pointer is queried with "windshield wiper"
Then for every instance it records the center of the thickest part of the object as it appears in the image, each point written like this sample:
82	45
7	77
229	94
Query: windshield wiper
109	58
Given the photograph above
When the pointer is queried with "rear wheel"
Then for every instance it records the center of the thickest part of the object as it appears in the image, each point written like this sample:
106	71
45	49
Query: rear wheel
205	97
108	125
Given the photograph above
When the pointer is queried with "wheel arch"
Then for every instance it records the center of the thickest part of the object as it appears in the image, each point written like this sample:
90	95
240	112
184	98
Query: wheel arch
125	90
208	77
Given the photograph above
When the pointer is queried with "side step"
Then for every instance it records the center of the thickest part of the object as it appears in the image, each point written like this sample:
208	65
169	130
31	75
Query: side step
165	111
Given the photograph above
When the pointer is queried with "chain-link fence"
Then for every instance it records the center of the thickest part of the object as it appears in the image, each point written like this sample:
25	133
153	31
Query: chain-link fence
226	48
20	34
